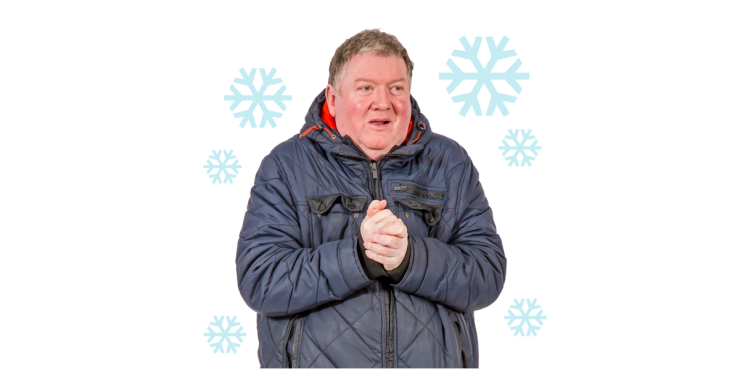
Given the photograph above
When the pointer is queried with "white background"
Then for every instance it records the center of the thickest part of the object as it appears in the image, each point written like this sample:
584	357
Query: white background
117	250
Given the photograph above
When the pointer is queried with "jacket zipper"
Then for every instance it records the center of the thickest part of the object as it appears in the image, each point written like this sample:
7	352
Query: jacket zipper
388	296
288	338
419	192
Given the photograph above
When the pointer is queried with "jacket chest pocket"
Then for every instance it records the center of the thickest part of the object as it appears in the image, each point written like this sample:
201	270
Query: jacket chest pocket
334	217
419	207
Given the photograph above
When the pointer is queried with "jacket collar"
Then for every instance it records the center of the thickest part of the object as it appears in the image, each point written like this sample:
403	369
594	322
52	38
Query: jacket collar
321	129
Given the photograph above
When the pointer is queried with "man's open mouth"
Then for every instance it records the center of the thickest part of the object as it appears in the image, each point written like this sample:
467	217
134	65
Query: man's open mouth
380	122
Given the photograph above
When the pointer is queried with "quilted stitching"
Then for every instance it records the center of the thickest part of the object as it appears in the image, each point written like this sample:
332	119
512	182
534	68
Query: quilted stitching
274	346
321	352
352	328
425	327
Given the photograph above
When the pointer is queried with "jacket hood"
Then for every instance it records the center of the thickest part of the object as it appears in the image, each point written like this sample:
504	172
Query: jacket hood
331	141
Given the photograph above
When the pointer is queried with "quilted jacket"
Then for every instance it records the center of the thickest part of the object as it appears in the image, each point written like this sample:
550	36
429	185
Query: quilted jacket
298	264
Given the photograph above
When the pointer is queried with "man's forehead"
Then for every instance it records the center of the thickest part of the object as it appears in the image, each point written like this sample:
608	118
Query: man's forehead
362	79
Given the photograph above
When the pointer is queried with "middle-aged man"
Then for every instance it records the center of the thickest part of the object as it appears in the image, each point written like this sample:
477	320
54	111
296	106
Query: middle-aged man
368	241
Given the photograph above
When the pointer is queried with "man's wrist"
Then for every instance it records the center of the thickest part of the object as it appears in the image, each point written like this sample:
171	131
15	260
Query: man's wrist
396	275
372	268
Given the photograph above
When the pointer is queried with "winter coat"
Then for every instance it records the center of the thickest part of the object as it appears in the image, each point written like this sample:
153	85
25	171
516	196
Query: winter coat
298	261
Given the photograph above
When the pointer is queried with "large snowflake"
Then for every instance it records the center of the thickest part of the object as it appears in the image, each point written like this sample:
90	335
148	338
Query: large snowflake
525	317
222	166
484	75
258	98
520	148
225	334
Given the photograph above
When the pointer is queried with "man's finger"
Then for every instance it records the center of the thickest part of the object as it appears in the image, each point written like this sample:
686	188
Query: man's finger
375	207
391	241
380	249
381	215
385	222
395	229
375	256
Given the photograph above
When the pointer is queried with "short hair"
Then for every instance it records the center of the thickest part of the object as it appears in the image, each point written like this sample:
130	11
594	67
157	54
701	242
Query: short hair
367	41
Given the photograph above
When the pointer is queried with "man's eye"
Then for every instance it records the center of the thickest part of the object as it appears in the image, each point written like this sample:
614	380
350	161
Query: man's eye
365	88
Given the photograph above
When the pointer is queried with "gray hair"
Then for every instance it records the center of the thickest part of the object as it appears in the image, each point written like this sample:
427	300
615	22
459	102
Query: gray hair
367	41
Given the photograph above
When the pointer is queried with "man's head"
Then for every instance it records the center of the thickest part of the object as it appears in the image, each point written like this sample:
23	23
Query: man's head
369	91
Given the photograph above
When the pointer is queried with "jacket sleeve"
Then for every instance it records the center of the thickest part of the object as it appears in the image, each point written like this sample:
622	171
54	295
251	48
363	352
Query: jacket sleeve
277	276
467	273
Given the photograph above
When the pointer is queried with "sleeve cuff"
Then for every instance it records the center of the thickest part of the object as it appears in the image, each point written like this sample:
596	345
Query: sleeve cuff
396	275
372	269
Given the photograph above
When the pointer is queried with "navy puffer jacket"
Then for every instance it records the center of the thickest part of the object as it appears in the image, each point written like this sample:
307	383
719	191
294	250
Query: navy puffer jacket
299	268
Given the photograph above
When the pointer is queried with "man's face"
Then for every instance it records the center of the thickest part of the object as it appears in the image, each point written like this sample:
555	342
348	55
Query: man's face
374	107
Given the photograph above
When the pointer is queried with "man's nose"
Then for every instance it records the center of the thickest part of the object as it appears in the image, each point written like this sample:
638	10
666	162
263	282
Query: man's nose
382	99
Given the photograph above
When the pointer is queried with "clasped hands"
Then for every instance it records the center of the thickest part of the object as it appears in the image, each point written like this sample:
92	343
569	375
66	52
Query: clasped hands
385	236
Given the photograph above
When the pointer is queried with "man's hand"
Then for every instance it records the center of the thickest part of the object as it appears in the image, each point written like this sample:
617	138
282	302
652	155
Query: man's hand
385	236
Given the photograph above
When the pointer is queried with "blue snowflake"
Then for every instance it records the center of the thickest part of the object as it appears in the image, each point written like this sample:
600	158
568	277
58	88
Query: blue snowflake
484	76
525	317
258	98
222	167
520	148
224	334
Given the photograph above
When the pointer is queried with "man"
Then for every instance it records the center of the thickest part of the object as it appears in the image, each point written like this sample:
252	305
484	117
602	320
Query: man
368	241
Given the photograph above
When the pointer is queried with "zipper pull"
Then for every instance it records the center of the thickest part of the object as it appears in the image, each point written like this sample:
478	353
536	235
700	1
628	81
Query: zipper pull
375	170
400	188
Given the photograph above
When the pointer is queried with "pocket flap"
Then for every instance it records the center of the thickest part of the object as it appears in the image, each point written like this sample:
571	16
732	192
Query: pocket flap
322	204
354	203
432	212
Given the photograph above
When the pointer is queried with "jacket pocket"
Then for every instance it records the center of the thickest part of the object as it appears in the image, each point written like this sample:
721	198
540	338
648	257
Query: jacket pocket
292	343
330	221
464	341
419	192
321	205
432	212
461	348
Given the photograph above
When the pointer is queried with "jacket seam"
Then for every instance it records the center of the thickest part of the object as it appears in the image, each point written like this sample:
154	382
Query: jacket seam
341	270
458	212
411	262
356	252
425	269
281	173
300	337
458	201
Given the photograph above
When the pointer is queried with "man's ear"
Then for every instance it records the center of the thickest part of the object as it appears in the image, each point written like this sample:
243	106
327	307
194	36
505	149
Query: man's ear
331	99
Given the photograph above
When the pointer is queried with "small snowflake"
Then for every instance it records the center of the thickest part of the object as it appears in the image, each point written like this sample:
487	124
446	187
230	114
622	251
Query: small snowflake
258	98
222	167
520	148
525	317
484	76
224	334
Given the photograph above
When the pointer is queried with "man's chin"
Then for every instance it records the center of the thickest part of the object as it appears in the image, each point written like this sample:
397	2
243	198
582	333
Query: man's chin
377	145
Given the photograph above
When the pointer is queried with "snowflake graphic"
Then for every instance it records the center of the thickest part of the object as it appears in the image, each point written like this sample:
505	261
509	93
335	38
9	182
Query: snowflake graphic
484	76
224	334
525	317
222	166
520	148
258	98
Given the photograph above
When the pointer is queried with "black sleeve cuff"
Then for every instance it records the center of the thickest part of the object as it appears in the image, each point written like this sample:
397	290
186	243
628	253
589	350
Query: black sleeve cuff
372	269
396	275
